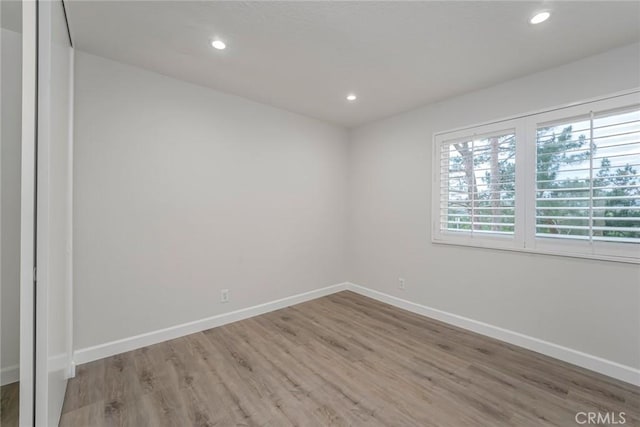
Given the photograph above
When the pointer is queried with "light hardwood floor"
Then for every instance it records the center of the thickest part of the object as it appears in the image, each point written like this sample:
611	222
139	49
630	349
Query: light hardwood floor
339	360
9	405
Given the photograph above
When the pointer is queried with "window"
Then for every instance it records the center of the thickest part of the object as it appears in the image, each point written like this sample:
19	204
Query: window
565	181
478	184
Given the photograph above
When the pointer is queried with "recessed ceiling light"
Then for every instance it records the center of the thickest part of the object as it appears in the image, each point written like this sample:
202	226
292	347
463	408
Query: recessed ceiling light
351	97
540	17
218	44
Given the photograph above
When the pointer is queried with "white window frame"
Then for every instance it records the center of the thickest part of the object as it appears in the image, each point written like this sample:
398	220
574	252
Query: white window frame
524	238
470	238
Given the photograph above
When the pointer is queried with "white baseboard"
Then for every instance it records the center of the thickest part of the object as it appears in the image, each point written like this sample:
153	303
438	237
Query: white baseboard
101	351
575	357
10	374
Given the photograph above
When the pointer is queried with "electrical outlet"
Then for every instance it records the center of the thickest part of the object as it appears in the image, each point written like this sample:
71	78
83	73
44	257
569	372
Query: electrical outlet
224	295
401	283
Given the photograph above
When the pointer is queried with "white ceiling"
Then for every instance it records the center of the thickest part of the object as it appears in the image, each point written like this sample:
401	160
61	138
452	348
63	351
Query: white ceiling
306	56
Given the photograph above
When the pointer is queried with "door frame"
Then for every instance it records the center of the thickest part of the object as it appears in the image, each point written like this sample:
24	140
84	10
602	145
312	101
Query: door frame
52	370
28	210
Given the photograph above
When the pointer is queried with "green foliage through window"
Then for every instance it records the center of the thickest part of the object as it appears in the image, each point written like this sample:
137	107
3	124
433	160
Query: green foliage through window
587	184
480	184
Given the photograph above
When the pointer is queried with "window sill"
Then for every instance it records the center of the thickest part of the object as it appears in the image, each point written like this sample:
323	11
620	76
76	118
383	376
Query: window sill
488	244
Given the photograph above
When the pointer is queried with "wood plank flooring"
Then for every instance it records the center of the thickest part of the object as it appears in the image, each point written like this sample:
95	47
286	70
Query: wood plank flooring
9	404
339	360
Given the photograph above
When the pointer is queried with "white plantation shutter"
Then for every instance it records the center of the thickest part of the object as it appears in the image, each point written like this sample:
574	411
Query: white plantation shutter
565	181
477	184
594	194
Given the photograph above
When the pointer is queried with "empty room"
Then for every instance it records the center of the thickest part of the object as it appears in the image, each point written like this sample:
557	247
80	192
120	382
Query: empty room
319	213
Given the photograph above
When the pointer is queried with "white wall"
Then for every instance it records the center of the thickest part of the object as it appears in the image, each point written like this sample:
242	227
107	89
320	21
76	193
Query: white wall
10	180
181	191
590	306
